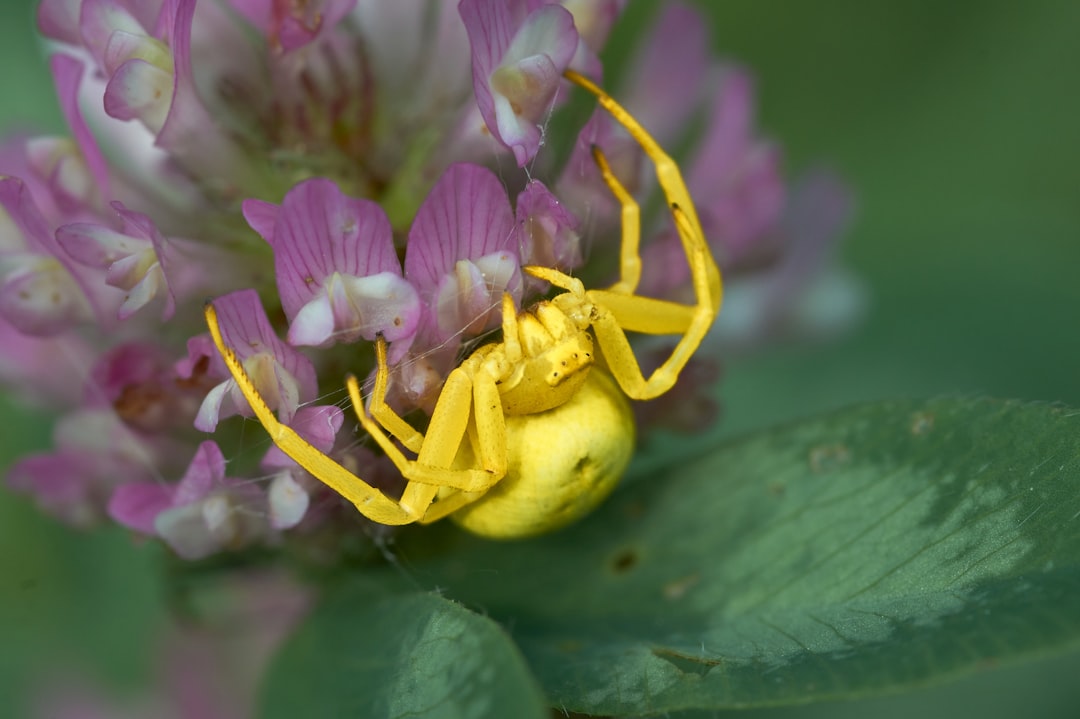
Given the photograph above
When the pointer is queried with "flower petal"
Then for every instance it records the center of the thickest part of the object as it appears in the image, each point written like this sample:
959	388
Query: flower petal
262	216
288	501
320	231
313	325
135	259
212	407
67	73
190	132
205	473
549	231
581	185
17	199
282	375
59	20
137	505
184	530
95	245
139	91
466	217
73	483
518	61
38	296
99	19
290	26
352	307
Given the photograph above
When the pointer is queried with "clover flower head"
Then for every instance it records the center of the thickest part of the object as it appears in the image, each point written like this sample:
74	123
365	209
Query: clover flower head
332	172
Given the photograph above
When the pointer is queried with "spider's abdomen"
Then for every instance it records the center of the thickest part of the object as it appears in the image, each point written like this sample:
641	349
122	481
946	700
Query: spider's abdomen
561	464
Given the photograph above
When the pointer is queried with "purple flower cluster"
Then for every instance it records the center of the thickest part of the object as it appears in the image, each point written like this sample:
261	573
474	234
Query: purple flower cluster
331	171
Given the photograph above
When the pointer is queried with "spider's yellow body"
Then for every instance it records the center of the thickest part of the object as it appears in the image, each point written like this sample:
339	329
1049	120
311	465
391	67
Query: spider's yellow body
527	435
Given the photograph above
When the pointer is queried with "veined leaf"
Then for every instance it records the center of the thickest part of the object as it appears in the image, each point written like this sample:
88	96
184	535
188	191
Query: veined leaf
368	654
874	549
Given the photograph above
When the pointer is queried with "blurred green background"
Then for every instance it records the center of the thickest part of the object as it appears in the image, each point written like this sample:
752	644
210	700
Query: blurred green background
955	123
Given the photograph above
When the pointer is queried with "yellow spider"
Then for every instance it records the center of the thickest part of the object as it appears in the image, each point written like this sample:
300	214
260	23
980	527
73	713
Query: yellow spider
527	435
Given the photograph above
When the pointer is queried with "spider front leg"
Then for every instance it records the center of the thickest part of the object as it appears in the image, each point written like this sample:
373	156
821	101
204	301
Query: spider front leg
617	309
368	500
469	403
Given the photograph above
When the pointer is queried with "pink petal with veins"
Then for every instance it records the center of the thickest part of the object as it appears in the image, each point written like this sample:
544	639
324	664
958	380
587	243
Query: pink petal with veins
319	231
337	271
461	254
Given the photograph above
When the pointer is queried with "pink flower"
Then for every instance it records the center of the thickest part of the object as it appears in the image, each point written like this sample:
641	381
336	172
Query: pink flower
41	292
134	258
140	385
201	514
283	376
94	453
549	231
462	253
290	489
333	171
520	50
338	275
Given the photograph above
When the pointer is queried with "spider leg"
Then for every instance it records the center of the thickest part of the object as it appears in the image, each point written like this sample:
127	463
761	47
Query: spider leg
383	413
448	503
617	311
469	396
645	314
629	254
707	282
368	500
439	448
390	420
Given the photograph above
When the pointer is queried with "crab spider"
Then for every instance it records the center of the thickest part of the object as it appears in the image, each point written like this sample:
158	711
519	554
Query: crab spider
527	435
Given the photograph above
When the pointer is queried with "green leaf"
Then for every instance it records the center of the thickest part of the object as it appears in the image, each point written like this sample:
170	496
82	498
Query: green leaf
364	653
872	550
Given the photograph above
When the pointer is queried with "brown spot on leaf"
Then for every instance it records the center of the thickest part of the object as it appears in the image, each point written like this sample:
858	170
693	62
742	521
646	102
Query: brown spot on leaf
624	561
687	663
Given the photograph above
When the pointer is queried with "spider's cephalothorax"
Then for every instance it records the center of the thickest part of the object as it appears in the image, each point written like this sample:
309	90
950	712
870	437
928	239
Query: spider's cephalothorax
542	360
526	435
